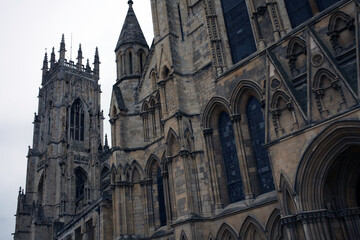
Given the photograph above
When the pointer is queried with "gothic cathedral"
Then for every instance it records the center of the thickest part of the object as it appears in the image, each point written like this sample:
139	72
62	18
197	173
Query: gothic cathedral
240	121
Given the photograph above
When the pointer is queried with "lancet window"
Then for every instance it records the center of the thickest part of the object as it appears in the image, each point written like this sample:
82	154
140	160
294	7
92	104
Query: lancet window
77	121
229	153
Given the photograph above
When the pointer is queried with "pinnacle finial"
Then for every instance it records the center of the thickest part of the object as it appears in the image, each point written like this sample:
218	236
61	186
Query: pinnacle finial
130	2
62	47
106	146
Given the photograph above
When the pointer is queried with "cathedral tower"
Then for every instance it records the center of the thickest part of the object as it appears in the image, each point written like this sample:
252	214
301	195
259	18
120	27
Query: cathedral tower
63	169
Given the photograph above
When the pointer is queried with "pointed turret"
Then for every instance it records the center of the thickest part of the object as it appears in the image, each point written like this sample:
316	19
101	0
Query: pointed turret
79	58
131	32
52	58
62	49
131	49
88	68
45	67
96	63
106	145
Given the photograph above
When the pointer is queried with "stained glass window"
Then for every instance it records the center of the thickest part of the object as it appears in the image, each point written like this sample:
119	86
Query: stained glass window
160	188
240	35
231	163
298	11
257	133
323	4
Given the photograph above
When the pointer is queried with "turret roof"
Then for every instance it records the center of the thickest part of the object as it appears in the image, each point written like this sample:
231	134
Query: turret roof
131	31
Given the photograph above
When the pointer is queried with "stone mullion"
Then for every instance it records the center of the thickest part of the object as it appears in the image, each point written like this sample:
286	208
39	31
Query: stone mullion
171	188
123	225
242	157
165	177
163	98
255	23
144	186
116	213
214	189
185	157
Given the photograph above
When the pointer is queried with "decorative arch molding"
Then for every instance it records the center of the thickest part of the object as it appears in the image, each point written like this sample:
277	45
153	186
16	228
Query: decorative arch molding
273	226
153	159
296	48
183	235
318	158
287	195
214	107
283	112
226	232
135	165
172	143
327	83
211	237
251	229
242	92
335	29
115	177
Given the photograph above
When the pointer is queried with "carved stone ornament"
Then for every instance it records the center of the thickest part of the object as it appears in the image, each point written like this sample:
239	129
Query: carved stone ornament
317	59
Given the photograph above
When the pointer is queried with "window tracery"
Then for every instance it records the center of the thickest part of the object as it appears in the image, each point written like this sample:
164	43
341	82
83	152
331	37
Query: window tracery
77	121
229	153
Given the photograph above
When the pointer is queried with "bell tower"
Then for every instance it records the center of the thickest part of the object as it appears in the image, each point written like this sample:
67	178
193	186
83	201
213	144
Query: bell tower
63	167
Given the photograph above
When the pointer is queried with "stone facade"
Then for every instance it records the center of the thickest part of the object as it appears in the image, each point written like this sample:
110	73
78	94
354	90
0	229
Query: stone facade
241	121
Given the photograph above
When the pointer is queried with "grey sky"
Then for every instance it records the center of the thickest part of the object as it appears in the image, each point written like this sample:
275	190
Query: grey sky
27	28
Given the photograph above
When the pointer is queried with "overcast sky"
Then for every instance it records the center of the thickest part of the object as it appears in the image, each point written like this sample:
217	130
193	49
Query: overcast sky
27	28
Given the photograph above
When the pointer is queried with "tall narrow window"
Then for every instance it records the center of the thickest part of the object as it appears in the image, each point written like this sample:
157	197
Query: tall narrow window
77	120
231	163
298	11
141	61
161	199
80	180
256	123
130	63
240	35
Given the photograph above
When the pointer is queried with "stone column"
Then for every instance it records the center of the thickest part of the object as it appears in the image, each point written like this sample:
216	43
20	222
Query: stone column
214	189
235	119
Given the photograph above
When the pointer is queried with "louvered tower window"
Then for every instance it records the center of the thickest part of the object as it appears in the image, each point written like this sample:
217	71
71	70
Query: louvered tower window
77	120
231	163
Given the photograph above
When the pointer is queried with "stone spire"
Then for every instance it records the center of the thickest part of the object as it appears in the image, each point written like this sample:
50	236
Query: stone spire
45	67
106	145
131	32
79	58
96	63
52	58
62	48
88	68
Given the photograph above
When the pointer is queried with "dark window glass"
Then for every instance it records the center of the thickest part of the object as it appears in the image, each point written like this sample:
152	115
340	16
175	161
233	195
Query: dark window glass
257	133
77	121
323	4
80	180
241	39
298	11
130	63
232	170
161	199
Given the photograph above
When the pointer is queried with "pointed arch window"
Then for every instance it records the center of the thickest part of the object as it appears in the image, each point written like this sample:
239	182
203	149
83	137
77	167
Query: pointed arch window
240	35
231	163
130	63
80	180
256	125
77	120
161	198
